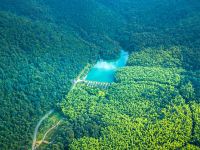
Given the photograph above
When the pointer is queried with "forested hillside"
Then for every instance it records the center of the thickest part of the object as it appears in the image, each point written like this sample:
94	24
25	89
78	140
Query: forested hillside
152	105
37	63
39	58
155	101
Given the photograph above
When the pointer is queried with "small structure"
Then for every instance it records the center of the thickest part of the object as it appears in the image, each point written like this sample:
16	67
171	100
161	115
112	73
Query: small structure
103	85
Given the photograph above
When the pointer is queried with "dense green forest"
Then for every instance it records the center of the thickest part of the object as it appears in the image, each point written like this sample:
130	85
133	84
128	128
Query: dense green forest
152	105
154	102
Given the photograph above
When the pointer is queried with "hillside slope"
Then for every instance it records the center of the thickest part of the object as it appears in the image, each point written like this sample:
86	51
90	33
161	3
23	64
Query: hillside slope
44	44
38	62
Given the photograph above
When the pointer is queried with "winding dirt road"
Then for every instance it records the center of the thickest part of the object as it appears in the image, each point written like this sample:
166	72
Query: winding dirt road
37	127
